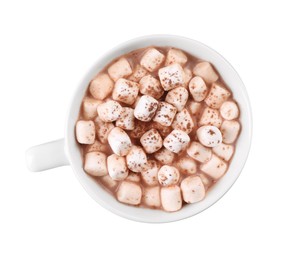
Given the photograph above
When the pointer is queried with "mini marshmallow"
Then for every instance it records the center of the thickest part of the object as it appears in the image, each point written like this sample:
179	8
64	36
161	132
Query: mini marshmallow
137	159
136	101
188	75
125	91
151	86
216	96
138	73
229	131
187	165
171	198
117	167
209	136
205	70
129	193
165	114
119	141
224	151
152	59
109	111
210	117
120	69
198	89
95	164
140	129
177	97
176	56
183	121
146	108
176	141
214	168
97	146
168	175
172	76
163	130
151	141
193	189
229	110
107	181
101	86
195	108
102	129
206	180
150	176
126	120
134	177
151	197
199	152
89	107
164	156
85	132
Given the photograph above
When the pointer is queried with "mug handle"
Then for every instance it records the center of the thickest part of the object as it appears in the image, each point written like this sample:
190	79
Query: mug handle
46	156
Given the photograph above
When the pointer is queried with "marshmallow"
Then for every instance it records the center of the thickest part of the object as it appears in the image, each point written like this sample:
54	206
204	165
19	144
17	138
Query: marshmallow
198	89
134	177
168	175
193	189
176	141
109	111
165	114
164	156
136	101
216	96
209	136
224	151
126	120
229	131
205	70
171	198
107	181
137	159
188	75
229	110
119	141
146	108
95	164
163	130
214	168
199	152
151	197
85	132
129	193
187	165
150	176
102	129
177	97
138	73
89	107
210	117
206	180
176	56
97	146
101	86
117	167
119	69
172	76
195	108
139	130
125	91
151	86
151	141
183	121
152	59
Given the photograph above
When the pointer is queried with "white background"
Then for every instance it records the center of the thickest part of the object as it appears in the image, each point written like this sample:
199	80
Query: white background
46	47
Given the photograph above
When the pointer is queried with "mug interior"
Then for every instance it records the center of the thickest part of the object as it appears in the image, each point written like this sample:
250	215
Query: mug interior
230	77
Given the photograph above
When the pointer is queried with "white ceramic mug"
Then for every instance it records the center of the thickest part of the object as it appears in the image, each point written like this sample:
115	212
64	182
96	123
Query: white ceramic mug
66	151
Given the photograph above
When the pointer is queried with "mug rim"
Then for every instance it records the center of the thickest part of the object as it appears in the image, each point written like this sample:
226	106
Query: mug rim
123	49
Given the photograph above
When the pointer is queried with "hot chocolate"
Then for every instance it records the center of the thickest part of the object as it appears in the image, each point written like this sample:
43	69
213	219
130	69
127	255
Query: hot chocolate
158	128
